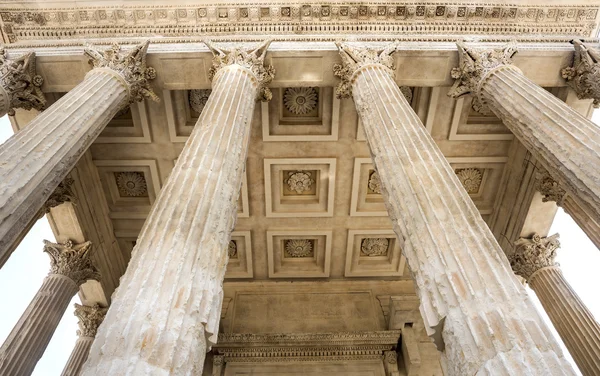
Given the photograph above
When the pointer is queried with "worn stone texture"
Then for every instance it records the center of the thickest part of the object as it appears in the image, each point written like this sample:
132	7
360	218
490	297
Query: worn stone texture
179	260
470	300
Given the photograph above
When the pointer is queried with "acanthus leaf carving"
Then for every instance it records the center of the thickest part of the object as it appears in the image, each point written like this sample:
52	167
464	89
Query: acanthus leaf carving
90	318
584	76
63	193
21	83
374	246
72	261
533	254
549	188
198	99
299	181
474	66
355	57
130	65
252	59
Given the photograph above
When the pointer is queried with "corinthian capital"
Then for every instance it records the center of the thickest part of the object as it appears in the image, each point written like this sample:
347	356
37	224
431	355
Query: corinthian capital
90	319
584	76
533	254
72	261
474	65
20	82
548	187
250	58
130	65
63	193
354	57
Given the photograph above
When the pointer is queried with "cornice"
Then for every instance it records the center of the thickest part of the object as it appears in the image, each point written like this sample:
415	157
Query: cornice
323	20
306	339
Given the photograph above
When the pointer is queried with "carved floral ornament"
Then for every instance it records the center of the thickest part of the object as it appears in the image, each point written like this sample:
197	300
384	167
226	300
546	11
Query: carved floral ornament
72	261
130	65
300	181
90	319
63	193
232	250
300	100
355	57
252	59
548	187
470	178
584	76
21	83
298	247
374	246
533	254
474	66
198	99
374	183
131	184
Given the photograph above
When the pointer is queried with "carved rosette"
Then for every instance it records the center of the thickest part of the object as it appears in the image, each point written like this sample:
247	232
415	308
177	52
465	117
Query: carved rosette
300	181
374	246
63	193
72	261
300	100
584	76
22	85
131	184
298	247
474	66
198	99
533	254
354	57
252	59
232	249
374	182
549	188
470	178
130	65
90	319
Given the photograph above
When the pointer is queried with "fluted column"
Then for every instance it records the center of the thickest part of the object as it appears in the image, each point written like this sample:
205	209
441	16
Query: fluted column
90	319
165	314
533	260
473	307
551	190
36	159
565	142
70	267
20	86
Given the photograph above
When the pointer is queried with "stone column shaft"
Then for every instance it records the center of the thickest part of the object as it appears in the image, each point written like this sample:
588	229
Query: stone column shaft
89	320
473	307
28	340
36	159
166	312
533	260
78	356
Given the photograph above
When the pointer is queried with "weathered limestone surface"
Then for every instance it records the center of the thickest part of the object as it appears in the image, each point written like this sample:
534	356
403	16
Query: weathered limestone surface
37	159
473	306
90	319
19	84
560	138
179	261
584	76
534	261
71	266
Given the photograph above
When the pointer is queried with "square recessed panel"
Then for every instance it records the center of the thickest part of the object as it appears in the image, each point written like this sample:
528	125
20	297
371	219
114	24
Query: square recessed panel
130	186
468	125
367	200
374	253
181	119
129	126
301	114
299	254
240	256
299	187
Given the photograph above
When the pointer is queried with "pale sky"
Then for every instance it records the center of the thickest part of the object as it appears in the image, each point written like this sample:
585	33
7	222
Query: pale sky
22	275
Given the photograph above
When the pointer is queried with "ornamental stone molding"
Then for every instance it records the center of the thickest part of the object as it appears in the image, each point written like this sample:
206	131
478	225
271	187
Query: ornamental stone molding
299	181
548	187
300	100
374	246
63	193
198	99
298	247
534	254
252	59
444	21
72	261
356	57
584	75
130	65
90	319
21	86
474	66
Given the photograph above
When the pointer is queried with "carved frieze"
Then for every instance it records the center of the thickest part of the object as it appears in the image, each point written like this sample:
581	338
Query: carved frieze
90	318
474	65
72	261
533	254
253	18
584	75
20	82
250	58
130	65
